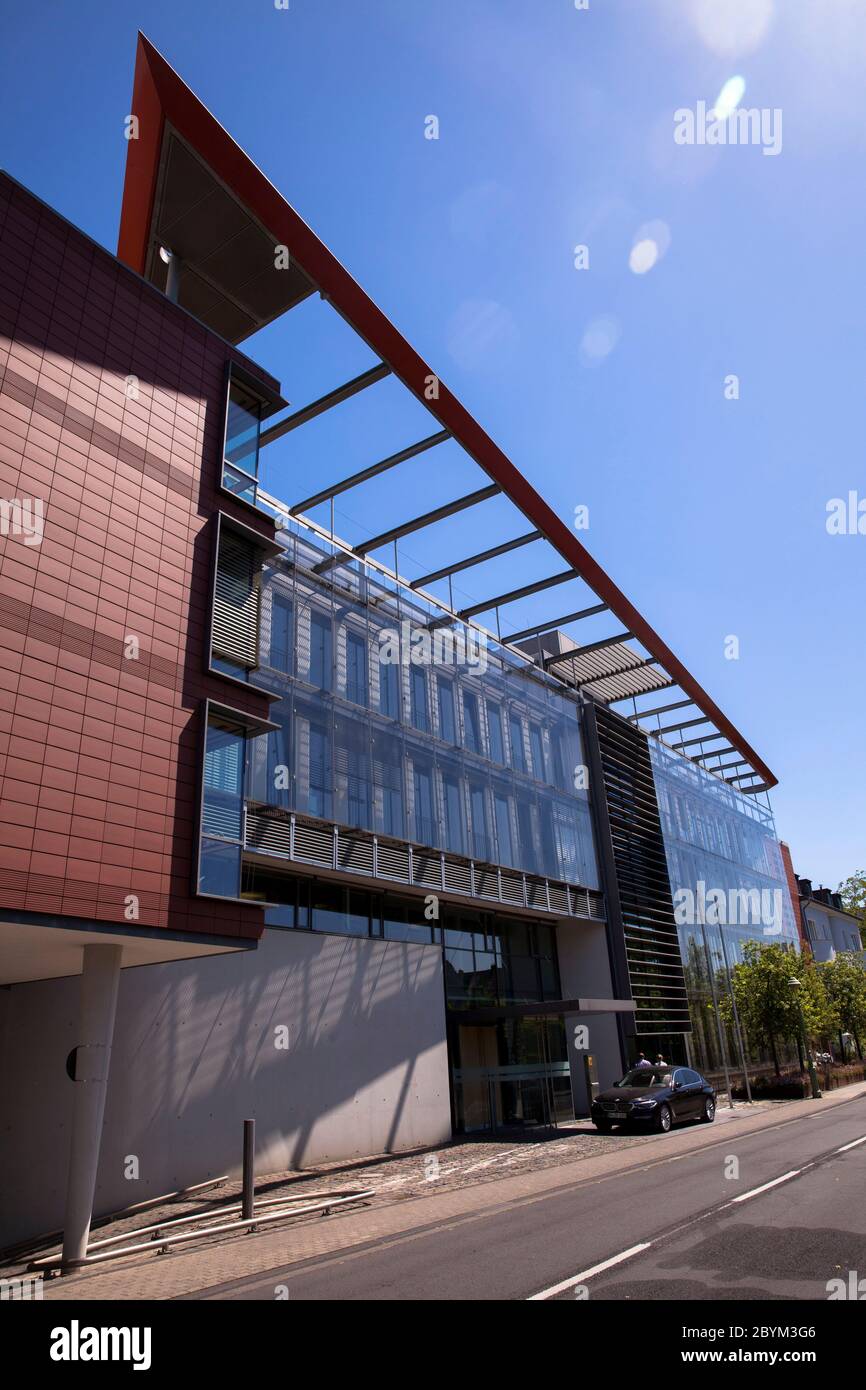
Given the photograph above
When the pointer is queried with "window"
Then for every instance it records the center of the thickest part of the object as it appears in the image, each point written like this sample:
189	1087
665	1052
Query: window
353	773
480	836
447	713
418	693
223	782
494	732
321	650
389	688
536	743
219	868
423	829
518	755
222	810
471	722
503	829
341	910
388	783
454	837
528	854
236	601
499	962
406	922
356	668
280	657
320	799
241	458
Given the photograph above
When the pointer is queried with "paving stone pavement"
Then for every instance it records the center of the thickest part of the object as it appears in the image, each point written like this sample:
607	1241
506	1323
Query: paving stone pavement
458	1181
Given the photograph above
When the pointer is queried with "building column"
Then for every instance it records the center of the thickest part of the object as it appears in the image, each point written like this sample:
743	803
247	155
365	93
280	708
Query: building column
100	975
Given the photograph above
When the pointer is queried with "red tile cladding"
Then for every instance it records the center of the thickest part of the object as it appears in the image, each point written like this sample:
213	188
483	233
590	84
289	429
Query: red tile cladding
100	779
791	879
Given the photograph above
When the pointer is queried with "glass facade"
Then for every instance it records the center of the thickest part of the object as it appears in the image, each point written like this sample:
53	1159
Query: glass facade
493	961
241	453
222	813
727	880
477	759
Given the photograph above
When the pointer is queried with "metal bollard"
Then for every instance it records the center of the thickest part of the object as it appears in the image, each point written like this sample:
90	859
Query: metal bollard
249	1187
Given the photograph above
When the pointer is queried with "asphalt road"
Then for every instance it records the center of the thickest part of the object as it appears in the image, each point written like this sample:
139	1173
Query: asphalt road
706	1235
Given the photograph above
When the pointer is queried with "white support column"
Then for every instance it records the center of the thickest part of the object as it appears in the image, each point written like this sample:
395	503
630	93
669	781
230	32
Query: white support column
100	975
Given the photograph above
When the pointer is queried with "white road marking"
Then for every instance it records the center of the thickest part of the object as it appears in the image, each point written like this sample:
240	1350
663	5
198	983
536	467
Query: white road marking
744	1196
504	1153
852	1145
588	1273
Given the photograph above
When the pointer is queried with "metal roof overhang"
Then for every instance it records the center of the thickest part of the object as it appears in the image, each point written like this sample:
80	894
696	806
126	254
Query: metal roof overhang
191	188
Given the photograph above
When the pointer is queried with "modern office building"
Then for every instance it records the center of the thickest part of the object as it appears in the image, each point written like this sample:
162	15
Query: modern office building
287	829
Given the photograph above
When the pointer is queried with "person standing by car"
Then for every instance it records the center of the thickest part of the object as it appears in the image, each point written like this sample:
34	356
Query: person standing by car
642	1061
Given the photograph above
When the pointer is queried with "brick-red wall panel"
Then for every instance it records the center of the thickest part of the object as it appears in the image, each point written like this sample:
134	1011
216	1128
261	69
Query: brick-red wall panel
98	753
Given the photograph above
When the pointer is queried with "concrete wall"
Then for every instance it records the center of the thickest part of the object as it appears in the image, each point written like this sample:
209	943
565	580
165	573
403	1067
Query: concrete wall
584	969
366	1069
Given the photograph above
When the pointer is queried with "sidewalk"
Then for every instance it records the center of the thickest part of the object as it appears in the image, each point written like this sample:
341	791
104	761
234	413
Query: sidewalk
411	1193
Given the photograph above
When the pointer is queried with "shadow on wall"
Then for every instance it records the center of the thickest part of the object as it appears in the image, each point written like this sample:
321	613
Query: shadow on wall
198	1049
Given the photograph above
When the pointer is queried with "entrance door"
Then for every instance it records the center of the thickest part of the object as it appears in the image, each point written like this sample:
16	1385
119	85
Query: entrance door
511	1074
478	1095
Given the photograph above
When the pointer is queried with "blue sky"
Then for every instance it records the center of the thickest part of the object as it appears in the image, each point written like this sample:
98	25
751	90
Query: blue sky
556	129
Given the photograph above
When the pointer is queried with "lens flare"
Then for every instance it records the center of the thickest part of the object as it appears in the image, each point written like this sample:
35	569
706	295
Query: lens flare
643	256
729	98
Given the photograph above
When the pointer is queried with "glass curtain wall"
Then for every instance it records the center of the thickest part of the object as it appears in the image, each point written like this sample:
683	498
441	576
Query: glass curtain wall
476	759
724	862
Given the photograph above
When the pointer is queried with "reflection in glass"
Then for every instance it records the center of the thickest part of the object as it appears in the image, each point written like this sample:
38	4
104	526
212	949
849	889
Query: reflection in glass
321	650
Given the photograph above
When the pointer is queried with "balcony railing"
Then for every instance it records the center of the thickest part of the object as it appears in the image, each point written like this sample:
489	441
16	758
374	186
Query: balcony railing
282	835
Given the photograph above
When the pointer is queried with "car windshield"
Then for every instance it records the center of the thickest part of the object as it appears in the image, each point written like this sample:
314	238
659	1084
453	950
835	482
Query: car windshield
646	1076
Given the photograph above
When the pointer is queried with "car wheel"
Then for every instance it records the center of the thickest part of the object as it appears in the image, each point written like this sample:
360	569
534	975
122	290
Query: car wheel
709	1111
603	1126
663	1119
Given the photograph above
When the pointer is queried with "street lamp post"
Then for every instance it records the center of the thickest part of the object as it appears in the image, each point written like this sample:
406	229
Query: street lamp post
810	1065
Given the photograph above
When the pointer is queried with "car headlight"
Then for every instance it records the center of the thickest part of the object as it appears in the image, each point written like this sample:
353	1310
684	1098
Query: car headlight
647	1104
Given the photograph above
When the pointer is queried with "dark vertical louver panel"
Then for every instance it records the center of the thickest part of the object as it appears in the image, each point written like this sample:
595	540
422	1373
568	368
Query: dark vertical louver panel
652	943
236	601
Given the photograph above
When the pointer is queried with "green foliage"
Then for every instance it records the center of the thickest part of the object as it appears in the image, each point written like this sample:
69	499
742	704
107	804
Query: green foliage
853	892
770	1005
845	985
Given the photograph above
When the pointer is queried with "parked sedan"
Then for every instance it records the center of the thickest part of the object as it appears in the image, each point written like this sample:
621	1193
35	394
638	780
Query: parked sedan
656	1096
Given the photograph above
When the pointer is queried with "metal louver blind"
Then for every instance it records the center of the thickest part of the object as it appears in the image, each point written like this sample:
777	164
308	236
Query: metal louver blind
236	601
651	939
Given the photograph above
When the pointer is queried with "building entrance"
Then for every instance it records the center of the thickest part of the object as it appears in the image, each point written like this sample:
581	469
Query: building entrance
512	1074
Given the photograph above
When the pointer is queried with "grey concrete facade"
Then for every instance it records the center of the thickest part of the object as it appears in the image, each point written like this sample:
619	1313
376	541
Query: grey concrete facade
584	970
334	1045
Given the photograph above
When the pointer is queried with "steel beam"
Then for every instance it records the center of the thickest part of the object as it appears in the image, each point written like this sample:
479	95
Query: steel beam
357	552
704	738
476	559
515	594
660	709
555	624
372	472
685	724
335	397
715	753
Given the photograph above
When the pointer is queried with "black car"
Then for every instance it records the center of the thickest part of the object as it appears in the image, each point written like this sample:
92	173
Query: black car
657	1096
